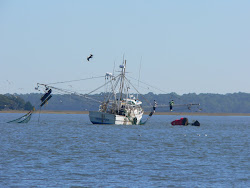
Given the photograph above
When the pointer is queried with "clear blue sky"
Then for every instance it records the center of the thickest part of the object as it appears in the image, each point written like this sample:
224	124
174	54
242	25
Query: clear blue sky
184	46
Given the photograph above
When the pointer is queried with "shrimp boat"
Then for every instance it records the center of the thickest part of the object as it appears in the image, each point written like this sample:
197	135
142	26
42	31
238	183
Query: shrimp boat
118	108
123	112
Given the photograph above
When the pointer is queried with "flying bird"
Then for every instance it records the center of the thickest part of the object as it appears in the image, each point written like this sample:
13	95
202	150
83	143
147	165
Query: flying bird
90	56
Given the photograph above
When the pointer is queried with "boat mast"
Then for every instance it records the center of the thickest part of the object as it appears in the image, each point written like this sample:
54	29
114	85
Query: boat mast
122	78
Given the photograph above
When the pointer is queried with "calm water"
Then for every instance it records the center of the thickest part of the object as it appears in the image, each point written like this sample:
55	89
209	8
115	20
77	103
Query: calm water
68	151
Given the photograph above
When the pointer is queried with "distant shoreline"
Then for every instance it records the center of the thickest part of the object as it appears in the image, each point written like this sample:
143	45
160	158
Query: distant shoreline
146	113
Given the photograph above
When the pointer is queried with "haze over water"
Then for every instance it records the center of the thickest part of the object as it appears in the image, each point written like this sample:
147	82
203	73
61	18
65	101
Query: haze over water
67	150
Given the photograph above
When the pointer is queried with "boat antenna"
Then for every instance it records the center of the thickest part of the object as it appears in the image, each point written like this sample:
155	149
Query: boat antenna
139	77
114	69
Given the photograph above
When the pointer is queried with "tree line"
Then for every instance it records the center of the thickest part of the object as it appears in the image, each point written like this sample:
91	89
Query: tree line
209	103
14	102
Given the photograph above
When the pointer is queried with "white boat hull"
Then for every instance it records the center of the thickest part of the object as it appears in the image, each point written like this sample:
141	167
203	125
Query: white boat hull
107	118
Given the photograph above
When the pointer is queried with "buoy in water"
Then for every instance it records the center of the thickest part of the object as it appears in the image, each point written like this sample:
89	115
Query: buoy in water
184	121
196	123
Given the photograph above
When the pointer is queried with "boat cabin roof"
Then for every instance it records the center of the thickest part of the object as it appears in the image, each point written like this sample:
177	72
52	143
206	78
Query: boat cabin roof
132	101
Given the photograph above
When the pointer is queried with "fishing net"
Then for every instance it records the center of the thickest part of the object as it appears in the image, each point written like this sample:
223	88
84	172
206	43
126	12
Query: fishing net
24	119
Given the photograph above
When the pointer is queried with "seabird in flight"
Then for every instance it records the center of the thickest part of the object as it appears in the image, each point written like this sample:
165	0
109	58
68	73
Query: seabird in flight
90	56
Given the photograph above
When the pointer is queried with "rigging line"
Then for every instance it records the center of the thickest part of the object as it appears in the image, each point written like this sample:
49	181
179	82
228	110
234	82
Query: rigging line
39	115
83	95
75	80
117	82
110	94
148	85
143	87
114	68
101	86
139	73
113	88
89	98
171	94
71	92
138	91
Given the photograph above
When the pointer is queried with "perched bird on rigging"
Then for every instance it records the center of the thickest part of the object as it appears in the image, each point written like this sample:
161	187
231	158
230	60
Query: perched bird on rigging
90	56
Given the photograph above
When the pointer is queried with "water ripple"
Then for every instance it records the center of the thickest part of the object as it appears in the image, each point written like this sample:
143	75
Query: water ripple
68	151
